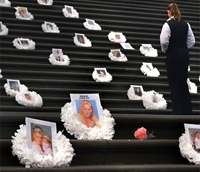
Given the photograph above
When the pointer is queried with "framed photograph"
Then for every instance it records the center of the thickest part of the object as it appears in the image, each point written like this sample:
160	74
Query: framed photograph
23	11
49	26
126	46
138	90
88	107
80	38
101	72
40	136
90	21
116	52
57	52
117	36
14	84
193	135
69	9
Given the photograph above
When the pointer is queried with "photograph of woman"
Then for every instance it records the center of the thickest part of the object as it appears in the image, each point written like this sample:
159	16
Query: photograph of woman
176	39
87	116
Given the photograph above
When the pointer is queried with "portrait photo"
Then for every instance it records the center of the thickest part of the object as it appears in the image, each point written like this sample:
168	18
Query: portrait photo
23	11
101	72
88	107
90	22
126	46
69	9
14	84
57	52
193	134
138	90
116	52
40	136
81	38
49	26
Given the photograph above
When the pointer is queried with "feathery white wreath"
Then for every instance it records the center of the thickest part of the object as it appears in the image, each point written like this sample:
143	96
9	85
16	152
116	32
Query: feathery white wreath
148	98
86	44
95	26
30	46
54	30
74	13
106	78
153	72
148	50
4	30
81	132
122	58
12	92
63	151
111	37
36	99
187	150
65	62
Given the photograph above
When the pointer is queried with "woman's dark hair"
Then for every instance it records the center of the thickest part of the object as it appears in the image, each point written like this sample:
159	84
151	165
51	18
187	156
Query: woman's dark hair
175	11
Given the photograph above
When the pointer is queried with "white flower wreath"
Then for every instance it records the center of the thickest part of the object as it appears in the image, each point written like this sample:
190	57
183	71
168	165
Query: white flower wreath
97	78
17	43
122	58
63	153
5	4
4	30
187	151
153	100
148	50
112	37
41	2
86	44
12	92
18	16
73	14
149	70
192	87
131	93
80	131
93	26
35	99
65	62
55	28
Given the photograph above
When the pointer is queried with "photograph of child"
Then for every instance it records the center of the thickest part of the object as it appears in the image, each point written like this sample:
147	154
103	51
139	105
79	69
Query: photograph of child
80	38
40	136
101	72
88	108
193	133
14	84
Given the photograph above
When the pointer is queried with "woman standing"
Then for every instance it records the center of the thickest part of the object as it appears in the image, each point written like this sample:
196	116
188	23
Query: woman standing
176	39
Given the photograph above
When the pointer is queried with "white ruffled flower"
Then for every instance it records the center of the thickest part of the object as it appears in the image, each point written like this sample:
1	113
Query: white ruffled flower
50	27
122	57
87	42
64	60
91	25
148	50
4	29
42	2
6	3
105	78
63	151
12	92
116	37
29	45
80	131
72	14
149	70
29	99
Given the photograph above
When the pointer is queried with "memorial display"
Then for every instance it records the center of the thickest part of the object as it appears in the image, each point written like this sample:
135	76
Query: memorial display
116	37
50	27
148	70
81	40
24	43
101	75
22	13
70	12
148	50
117	55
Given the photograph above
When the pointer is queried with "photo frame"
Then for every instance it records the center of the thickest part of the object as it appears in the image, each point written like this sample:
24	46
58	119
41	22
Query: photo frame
101	75
127	46
117	55
22	13
81	40
116	37
135	92
102	72
148	50
50	27
70	12
148	70
14	84
41	136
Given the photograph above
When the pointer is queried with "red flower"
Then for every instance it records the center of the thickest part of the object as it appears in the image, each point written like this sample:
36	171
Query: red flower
141	133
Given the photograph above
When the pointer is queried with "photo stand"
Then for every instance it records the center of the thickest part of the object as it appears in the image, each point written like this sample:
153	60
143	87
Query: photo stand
3	29
29	99
12	92
187	143
154	101
148	51
148	70
70	12
56	59
86	42
62	157
117	55
50	27
45	2
23	14
24	43
101	75
5	3
91	25
116	37
135	92
74	126
192	87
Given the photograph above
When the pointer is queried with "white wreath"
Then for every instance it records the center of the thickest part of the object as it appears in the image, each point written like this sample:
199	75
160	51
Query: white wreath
192	87
5	4
63	153
106	78
4	30
18	16
187	151
36	99
111	37
154	72
96	26
12	92
153	101
74	13
1	76
41	2
30	46
53	60
131	94
122	58
148	50
80	131
55	28
86	44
